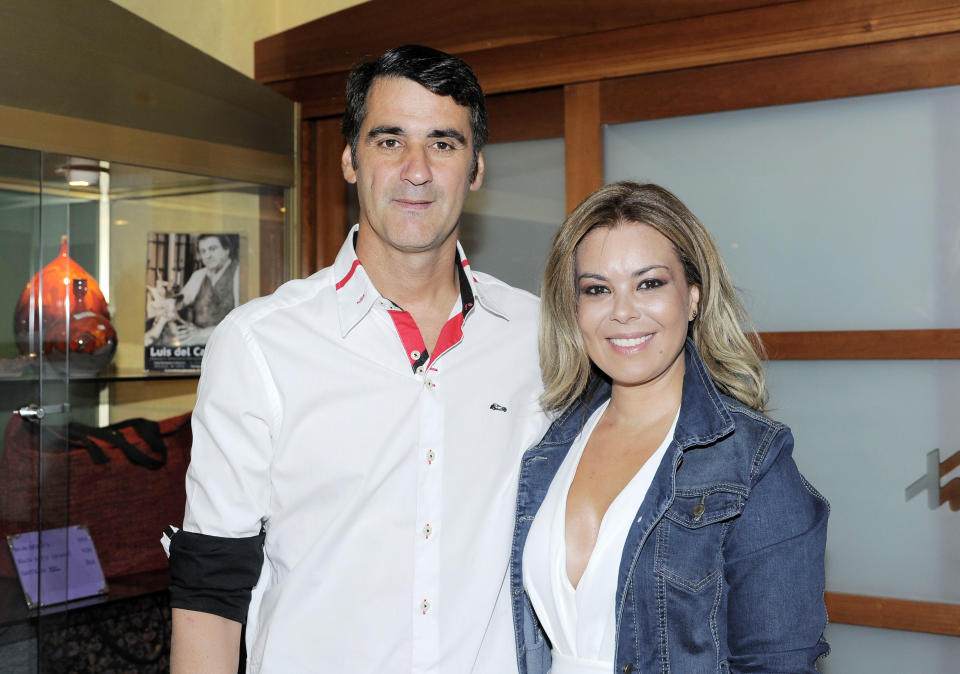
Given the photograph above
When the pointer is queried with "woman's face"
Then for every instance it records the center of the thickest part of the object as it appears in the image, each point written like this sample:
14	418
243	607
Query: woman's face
634	303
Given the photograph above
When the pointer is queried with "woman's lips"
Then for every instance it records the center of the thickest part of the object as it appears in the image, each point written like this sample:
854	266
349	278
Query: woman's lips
630	344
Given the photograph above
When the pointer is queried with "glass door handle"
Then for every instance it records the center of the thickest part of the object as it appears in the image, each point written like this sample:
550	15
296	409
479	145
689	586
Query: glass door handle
38	412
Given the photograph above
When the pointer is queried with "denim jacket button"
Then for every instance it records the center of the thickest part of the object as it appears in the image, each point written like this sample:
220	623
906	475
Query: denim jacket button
698	511
627	668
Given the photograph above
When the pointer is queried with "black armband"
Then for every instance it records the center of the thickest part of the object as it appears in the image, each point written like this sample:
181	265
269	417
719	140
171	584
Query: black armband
213	574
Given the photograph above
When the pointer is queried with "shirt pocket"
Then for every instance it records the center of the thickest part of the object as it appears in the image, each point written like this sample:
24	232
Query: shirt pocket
690	538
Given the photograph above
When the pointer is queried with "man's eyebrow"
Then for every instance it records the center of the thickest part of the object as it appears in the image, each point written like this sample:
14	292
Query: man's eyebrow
448	133
385	130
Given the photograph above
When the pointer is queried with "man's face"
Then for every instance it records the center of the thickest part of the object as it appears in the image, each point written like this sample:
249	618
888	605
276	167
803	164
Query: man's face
414	159
212	253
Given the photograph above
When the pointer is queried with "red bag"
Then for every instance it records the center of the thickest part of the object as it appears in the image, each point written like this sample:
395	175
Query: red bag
124	481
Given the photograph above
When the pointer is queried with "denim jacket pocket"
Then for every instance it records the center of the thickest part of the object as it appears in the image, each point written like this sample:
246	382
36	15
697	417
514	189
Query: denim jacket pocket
690	538
689	570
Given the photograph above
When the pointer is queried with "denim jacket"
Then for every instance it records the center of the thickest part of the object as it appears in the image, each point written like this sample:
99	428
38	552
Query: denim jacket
722	571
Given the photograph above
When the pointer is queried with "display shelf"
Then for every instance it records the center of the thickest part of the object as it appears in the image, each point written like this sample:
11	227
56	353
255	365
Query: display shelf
13	606
106	377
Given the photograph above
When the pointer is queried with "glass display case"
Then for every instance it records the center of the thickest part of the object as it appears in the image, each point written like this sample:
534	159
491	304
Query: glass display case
145	190
145	237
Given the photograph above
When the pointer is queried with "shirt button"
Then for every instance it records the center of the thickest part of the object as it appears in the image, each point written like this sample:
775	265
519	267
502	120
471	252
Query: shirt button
431	456
414	355
420	371
429	384
424	606
427	530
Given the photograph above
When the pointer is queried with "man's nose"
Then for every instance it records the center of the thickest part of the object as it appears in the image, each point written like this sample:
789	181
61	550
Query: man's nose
416	168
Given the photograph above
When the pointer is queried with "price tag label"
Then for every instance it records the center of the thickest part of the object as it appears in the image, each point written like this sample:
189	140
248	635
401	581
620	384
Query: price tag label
57	565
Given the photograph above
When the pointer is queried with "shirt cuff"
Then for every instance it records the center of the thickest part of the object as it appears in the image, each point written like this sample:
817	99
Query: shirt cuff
213	574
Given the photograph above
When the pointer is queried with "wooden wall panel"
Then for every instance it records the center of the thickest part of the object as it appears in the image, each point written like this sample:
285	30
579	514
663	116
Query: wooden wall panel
583	141
862	345
331	190
851	71
526	115
271	241
894	614
308	197
336	42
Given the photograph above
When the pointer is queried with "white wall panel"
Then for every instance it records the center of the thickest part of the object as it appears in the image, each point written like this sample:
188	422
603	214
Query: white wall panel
508	225
832	215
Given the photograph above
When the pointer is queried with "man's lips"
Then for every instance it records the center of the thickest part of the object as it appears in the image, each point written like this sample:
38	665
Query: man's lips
416	204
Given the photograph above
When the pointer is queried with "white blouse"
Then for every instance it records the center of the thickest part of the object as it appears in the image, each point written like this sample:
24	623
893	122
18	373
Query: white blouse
580	621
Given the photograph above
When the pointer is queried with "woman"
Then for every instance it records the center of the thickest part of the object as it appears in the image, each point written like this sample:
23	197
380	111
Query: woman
662	525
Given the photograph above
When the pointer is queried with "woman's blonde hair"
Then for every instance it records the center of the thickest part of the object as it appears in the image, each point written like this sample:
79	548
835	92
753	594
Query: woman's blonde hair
732	359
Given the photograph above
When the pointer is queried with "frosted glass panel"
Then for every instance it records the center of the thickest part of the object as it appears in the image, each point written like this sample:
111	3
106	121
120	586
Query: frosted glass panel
840	214
508	225
863	430
865	649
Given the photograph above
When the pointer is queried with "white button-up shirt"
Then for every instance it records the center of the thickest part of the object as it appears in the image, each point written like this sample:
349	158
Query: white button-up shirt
387	486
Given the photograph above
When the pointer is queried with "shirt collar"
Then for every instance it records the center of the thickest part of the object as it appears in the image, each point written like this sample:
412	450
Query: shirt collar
356	294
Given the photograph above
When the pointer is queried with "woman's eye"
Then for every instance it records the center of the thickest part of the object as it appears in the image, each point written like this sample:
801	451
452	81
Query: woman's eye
650	284
593	290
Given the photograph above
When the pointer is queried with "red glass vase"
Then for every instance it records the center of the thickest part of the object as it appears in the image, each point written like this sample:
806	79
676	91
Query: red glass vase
91	341
56	300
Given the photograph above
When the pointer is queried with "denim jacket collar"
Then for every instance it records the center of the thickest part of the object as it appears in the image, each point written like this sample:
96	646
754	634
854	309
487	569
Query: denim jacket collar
704	418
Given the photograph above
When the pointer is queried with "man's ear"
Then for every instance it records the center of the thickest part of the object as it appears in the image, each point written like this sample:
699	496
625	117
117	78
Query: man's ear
478	179
346	165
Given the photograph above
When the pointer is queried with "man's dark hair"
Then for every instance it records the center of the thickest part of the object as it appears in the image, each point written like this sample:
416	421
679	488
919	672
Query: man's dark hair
226	242
440	73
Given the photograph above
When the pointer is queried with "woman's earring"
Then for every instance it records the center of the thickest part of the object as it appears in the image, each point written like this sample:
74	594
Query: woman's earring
695	312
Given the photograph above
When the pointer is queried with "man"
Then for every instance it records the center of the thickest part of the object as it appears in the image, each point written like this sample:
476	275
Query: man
210	292
207	297
370	419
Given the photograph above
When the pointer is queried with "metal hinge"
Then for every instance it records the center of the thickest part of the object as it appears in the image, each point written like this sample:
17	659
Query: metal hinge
38	412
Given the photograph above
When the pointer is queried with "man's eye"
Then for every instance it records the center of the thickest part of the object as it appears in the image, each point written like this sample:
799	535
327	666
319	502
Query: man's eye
389	143
443	146
650	283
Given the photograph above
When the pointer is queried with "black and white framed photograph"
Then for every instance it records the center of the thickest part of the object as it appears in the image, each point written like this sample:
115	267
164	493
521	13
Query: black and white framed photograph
193	282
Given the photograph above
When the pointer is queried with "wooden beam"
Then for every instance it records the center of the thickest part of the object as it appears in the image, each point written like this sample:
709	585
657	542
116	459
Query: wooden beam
815	76
748	34
893	614
331	190
764	32
862	345
583	141
334	43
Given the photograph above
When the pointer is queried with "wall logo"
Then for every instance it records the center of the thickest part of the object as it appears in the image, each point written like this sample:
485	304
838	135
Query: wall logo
938	494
